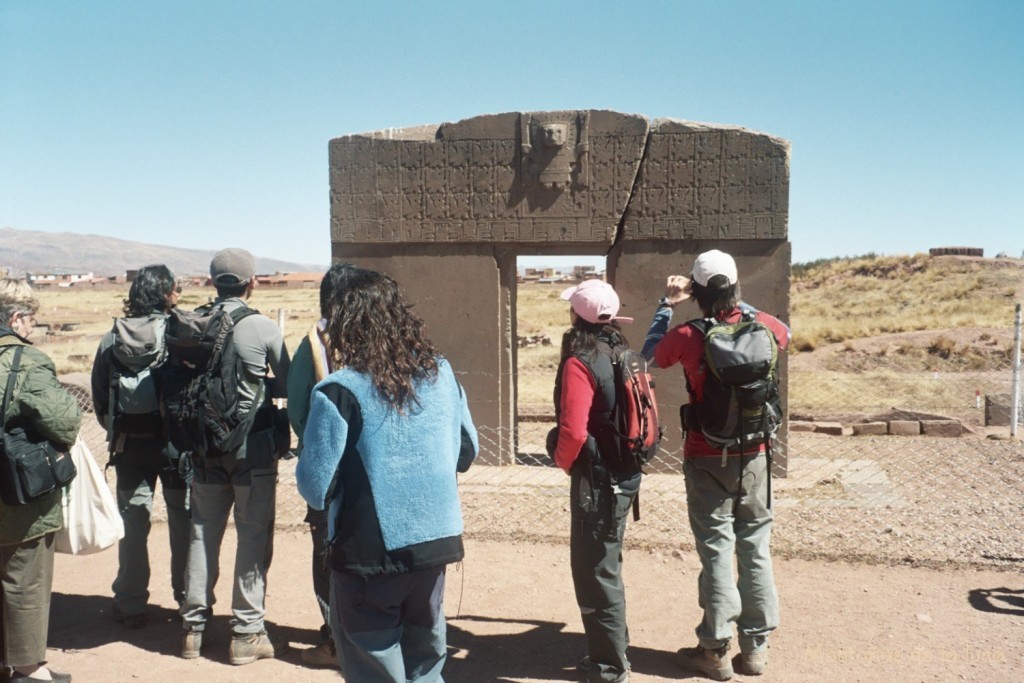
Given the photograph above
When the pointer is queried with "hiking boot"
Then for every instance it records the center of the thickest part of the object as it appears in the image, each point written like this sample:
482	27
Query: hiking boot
714	664
753	663
191	643
321	656
246	648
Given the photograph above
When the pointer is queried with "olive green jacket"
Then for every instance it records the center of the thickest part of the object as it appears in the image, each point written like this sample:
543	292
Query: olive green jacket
40	401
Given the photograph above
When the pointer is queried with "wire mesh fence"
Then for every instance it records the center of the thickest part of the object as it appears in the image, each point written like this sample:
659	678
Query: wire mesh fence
908	466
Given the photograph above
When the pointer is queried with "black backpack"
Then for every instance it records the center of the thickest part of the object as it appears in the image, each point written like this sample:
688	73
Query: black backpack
199	382
741	403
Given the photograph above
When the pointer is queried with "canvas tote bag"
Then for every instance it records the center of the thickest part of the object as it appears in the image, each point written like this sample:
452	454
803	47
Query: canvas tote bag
91	519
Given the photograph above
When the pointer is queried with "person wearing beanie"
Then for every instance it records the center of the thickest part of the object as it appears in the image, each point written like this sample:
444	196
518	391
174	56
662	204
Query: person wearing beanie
726	494
600	498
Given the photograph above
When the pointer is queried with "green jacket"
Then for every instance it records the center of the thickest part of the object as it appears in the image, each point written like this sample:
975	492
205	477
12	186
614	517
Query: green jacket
40	401
303	375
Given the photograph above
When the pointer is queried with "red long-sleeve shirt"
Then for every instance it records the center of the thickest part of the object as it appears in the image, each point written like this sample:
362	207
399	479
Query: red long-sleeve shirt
578	387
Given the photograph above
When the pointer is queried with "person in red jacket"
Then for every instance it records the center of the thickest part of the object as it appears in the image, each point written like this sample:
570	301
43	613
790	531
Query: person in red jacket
600	498
726	494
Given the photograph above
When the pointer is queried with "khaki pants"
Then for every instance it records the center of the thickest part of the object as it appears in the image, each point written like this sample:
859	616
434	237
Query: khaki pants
26	575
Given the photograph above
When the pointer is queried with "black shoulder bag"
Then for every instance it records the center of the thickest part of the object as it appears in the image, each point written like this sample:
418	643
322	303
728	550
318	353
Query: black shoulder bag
30	466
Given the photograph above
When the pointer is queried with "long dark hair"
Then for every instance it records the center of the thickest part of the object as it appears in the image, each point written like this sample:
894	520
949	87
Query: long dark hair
717	298
335	281
581	338
149	291
371	328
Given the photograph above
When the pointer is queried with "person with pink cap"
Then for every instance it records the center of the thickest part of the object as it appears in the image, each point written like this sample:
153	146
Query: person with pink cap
726	495
600	498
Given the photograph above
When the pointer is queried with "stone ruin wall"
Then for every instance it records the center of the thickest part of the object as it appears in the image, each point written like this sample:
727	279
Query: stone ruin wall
447	209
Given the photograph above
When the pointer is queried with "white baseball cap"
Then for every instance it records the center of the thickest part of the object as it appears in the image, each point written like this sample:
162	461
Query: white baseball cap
712	263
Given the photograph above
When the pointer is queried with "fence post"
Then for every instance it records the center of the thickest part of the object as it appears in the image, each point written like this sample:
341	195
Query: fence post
1015	391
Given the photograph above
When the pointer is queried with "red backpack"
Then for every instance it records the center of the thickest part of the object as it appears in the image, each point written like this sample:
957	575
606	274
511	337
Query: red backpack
635	417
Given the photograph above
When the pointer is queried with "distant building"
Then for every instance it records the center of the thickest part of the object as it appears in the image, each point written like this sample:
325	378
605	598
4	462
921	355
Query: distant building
43	280
956	251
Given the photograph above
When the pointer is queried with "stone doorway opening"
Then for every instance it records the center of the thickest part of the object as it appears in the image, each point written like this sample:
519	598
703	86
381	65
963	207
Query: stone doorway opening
541	318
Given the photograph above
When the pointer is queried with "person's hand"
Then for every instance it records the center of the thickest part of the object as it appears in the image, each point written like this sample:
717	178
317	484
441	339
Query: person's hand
677	289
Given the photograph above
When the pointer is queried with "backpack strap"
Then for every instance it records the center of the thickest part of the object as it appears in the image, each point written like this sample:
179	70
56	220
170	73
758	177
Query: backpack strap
11	377
113	378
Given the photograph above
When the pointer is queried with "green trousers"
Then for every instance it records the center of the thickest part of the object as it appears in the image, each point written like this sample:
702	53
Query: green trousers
600	507
26	576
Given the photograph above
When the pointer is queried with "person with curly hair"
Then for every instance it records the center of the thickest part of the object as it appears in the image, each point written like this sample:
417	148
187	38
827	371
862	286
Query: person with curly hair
124	397
385	436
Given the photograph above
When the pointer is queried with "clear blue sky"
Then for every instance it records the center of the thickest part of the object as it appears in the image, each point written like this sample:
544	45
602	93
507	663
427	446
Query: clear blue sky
205	123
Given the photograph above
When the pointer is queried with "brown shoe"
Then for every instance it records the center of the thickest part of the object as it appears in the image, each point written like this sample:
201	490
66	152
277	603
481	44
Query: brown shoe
754	663
191	643
321	656
246	648
714	664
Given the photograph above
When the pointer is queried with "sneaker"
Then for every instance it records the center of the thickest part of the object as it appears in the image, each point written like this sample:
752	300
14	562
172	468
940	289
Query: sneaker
321	656
714	664
753	663
191	643
246	648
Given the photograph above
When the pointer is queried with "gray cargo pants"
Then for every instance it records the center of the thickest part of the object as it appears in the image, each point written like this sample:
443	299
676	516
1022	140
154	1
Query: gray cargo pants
250	485
600	506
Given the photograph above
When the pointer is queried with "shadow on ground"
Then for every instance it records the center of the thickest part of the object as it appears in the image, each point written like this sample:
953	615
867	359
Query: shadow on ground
85	622
536	650
997	600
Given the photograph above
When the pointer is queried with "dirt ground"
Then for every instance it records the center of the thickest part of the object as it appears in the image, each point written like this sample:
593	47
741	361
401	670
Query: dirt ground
512	617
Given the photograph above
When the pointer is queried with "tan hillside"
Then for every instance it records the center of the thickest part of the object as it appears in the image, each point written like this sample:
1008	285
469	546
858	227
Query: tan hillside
905	312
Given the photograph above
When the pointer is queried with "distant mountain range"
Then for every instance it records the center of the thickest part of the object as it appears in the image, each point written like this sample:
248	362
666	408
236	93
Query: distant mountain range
30	251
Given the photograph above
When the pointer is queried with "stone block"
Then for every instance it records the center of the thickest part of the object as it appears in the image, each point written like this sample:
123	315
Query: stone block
905	427
830	428
870	429
941	428
997	410
801	426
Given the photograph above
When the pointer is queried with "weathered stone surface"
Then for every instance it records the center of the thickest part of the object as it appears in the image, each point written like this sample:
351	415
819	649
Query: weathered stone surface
941	428
904	427
831	428
446	209
518	177
998	408
796	426
870	429
701	181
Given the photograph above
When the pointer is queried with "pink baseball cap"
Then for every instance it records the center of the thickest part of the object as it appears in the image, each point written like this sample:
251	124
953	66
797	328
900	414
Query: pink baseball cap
595	301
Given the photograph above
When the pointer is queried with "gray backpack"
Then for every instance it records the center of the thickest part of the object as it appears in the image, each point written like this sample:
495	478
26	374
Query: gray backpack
138	348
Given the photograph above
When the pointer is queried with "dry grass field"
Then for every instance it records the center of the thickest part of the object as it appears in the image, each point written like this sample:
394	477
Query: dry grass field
90	312
870	324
